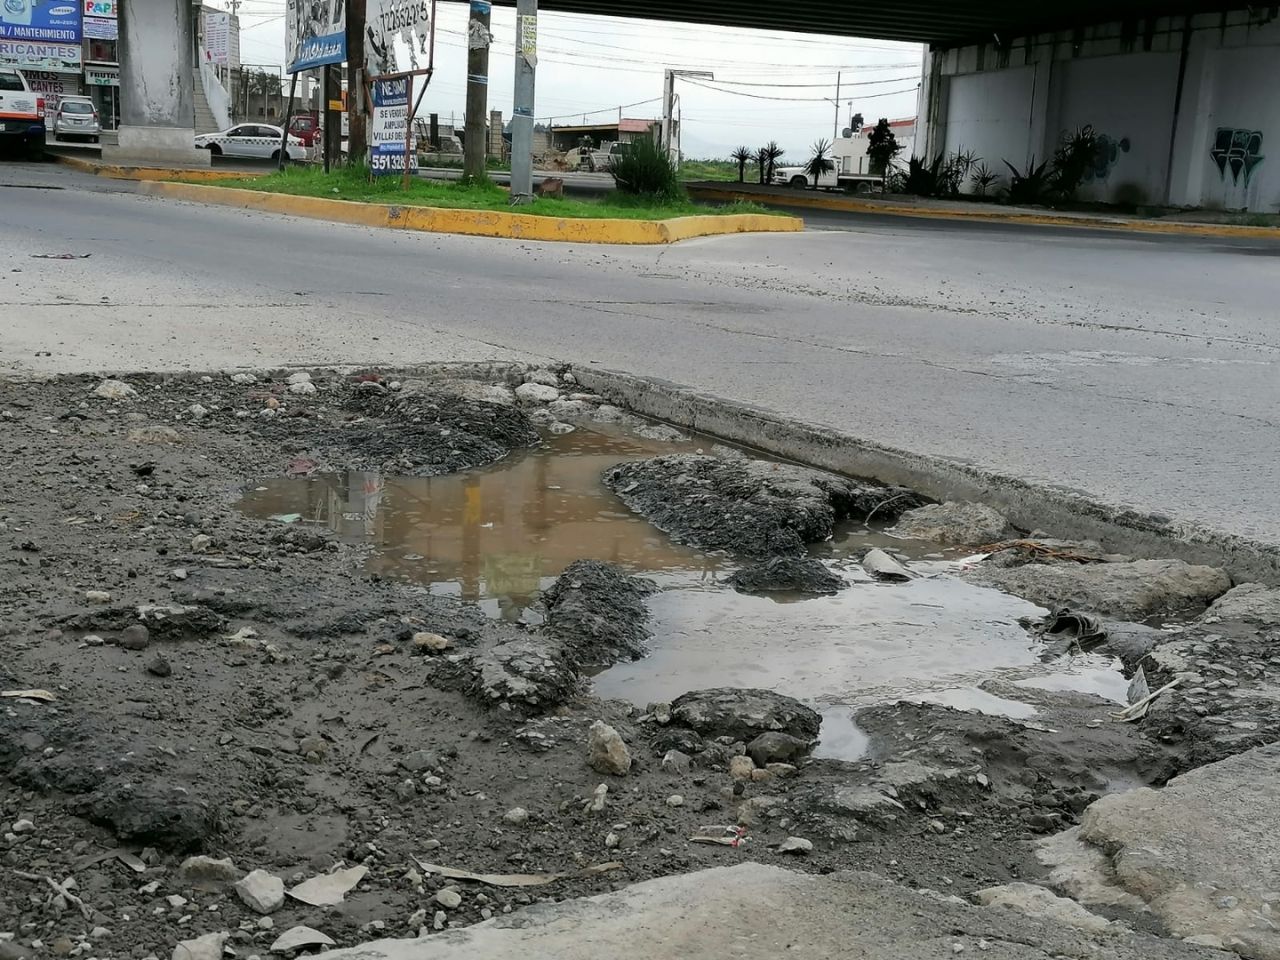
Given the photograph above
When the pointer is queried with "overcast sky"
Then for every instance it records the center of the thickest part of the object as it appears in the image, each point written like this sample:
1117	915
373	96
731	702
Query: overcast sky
770	85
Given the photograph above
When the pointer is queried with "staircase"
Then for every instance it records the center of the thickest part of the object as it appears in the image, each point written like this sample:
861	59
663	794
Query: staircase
205	123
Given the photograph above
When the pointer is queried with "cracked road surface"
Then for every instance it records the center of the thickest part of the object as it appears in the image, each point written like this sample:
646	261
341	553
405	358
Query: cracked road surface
1139	370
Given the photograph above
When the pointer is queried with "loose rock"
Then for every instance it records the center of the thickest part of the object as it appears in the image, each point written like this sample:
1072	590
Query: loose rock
261	891
744	714
796	845
774	747
787	575
208	873
135	637
606	751
114	390
969	524
536	393
449	898
208	947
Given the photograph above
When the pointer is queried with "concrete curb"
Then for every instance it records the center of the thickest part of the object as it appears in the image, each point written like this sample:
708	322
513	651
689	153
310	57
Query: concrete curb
1028	505
849	205
115	171
480	223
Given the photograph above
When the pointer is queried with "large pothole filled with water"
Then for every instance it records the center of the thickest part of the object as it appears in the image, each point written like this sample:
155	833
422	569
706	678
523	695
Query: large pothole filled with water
498	536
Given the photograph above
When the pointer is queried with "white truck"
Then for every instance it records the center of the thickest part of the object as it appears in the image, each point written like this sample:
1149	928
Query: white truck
852	166
21	114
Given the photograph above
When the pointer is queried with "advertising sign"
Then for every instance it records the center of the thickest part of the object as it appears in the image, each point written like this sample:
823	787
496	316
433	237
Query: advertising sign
40	56
40	21
315	33
102	76
387	20
105	9
388	132
101	28
217	37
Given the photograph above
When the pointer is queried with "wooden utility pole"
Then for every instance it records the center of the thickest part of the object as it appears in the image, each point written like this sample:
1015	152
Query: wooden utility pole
357	141
475	149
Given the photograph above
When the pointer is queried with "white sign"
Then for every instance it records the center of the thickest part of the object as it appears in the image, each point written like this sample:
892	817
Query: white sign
53	87
40	56
217	37
389	20
389	130
101	28
315	33
102	76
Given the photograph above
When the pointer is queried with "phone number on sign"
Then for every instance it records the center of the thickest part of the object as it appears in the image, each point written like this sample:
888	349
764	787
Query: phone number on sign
390	163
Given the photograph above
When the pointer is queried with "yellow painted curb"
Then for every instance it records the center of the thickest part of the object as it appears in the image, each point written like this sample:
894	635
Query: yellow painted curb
846	205
480	223
115	171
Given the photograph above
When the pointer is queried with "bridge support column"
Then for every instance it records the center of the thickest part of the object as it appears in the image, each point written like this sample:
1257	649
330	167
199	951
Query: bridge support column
157	85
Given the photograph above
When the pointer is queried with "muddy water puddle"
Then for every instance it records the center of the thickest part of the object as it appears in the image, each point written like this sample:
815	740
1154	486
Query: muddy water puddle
500	535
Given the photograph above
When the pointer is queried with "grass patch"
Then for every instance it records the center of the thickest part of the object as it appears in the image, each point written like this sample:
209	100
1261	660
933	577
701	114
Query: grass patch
353	183
711	170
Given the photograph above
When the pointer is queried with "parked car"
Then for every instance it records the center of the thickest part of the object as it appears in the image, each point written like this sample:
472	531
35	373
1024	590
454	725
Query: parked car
21	113
258	141
306	127
77	117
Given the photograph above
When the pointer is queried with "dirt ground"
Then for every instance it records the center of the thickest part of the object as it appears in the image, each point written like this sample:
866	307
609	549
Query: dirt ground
287	710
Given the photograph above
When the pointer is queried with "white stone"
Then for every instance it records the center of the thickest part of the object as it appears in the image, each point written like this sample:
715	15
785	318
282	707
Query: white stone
300	377
197	411
798	845
536	393
675	800
1036	901
114	390
304	389
23	826
449	898
547	378
242	379
261	891
741	768
559	429
516	815
295	938
208	947
97	596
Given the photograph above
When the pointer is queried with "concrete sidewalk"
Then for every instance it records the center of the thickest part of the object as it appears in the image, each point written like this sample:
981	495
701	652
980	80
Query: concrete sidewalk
964	210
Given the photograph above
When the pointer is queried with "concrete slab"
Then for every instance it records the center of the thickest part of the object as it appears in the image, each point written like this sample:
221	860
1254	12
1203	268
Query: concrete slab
1203	853
757	912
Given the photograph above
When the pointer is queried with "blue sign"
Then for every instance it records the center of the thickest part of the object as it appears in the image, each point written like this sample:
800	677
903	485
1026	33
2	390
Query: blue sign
315	33
40	21
390	128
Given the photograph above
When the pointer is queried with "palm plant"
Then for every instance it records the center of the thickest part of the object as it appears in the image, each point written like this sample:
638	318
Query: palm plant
762	162
773	153
820	164
742	156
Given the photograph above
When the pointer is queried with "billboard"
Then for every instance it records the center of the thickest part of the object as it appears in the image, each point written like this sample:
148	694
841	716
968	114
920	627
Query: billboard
315	33
40	21
217	37
389	133
57	57
407	20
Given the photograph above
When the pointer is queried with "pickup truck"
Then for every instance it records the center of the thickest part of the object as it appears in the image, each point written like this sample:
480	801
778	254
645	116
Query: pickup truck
21	114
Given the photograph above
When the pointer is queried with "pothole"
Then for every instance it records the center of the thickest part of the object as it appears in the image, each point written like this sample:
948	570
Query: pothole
499	535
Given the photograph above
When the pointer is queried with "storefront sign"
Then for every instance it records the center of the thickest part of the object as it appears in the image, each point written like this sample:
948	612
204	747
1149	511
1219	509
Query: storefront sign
101	28
217	37
101	8
102	76
39	20
40	56
315	33
390	129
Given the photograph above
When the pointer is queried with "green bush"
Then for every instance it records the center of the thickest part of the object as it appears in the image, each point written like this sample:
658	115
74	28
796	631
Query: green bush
644	170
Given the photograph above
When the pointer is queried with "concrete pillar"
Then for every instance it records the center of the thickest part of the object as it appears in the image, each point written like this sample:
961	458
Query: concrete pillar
931	106
1041	137
1195	127
157	96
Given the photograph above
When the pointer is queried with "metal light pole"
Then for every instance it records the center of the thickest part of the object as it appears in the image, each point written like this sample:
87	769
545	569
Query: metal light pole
522	109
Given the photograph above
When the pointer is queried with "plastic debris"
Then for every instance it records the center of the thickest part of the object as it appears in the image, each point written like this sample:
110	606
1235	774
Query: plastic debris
41	695
329	889
298	937
721	833
881	566
286	517
1138	709
1138	688
515	879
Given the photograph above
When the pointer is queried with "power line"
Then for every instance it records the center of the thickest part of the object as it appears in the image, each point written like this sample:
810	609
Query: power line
760	96
821	86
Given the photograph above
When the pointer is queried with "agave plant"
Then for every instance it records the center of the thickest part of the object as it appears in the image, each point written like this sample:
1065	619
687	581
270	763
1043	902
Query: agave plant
820	163
742	156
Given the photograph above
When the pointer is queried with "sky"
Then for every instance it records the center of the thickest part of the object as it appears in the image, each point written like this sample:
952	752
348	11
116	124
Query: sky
768	85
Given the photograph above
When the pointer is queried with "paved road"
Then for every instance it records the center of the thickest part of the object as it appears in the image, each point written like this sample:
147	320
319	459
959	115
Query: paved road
1143	371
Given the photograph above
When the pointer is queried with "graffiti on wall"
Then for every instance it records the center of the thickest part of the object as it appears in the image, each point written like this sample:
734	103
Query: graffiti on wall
1237	150
1108	152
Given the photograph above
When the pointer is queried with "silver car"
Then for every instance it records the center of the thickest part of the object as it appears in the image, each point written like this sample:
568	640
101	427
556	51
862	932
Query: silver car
77	118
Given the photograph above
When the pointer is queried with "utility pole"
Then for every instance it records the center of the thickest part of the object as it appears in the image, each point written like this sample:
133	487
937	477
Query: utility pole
357	143
475	148
835	124
522	109
669	104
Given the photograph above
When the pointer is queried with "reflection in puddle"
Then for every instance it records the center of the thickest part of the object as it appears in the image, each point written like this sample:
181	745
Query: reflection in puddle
500	535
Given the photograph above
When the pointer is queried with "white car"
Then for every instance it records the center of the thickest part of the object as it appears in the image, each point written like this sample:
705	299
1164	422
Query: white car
258	141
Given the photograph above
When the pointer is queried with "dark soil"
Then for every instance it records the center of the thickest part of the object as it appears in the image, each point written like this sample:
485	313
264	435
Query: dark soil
316	715
788	575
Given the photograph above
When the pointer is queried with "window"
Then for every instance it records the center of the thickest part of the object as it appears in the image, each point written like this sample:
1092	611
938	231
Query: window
10	81
77	107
